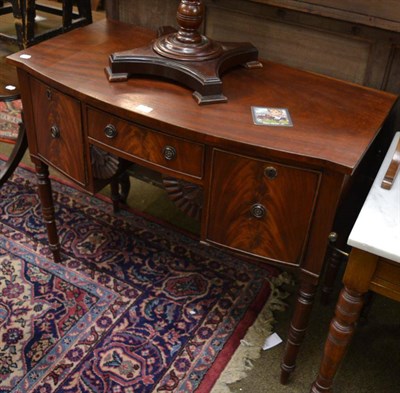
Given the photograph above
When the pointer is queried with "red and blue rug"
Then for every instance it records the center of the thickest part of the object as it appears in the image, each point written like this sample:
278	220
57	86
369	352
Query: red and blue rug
134	307
10	117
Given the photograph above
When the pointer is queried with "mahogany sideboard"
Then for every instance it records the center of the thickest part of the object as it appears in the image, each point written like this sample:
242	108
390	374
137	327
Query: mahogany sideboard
270	192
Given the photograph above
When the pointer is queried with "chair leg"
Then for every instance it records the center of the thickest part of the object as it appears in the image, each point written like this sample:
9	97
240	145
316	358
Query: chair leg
18	10
84	9
30	22
67	13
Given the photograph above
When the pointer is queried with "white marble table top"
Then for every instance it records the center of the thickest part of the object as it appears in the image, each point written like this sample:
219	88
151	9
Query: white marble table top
377	228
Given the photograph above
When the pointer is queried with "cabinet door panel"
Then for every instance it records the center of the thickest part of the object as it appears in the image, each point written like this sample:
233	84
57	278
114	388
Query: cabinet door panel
261	207
58	130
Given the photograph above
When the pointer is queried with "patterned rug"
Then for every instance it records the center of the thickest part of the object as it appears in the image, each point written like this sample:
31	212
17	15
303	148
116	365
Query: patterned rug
10	117
134	307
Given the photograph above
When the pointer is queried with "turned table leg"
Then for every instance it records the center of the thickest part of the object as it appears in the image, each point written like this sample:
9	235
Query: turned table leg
115	195
341	331
359	271
46	198
298	327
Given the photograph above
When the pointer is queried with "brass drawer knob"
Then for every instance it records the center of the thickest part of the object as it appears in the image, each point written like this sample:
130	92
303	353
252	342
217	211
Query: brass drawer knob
258	210
55	132
110	131
169	153
270	172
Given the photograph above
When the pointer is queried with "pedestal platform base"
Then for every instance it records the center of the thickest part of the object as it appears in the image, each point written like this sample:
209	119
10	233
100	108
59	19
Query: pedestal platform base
202	76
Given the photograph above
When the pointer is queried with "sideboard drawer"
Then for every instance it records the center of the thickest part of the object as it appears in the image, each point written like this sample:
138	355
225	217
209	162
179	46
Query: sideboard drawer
261	207
57	122
143	144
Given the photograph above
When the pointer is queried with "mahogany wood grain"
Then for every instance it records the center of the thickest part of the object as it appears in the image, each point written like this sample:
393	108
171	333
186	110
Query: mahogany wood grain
143	145
309	97
219	147
288	198
297	329
59	133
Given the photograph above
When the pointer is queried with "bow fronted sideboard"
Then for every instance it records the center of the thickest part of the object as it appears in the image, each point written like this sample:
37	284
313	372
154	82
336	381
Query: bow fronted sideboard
270	192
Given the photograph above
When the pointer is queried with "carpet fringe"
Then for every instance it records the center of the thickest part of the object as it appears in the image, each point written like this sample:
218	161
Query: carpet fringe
251	345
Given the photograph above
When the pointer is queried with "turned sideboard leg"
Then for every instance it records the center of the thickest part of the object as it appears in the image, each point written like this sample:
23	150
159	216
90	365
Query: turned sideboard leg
46	198
115	195
334	260
297	330
341	331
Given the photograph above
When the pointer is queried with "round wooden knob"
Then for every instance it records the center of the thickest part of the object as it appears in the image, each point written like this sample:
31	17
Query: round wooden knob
169	153
110	131
258	210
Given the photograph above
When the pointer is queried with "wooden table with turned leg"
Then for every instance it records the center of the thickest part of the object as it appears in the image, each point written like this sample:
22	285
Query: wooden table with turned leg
374	263
270	192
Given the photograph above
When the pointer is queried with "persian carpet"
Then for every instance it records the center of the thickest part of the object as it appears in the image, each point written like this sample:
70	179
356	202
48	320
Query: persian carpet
10	117
134	307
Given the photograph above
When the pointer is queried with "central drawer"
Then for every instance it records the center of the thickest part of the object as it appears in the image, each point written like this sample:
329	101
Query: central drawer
143	145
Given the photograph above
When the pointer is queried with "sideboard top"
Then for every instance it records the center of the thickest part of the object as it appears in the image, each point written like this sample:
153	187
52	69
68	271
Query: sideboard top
334	122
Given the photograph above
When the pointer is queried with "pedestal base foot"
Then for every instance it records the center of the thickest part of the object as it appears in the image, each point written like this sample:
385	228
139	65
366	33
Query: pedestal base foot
202	76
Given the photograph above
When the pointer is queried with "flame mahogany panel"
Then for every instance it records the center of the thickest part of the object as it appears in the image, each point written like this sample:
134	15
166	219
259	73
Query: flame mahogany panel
239	183
59	134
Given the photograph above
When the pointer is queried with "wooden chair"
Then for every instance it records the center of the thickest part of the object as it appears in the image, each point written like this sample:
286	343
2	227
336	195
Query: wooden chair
27	28
9	92
5	9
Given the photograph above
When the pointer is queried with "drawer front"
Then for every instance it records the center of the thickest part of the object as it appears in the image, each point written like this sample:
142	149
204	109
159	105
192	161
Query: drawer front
386	279
260	207
58	129
142	144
